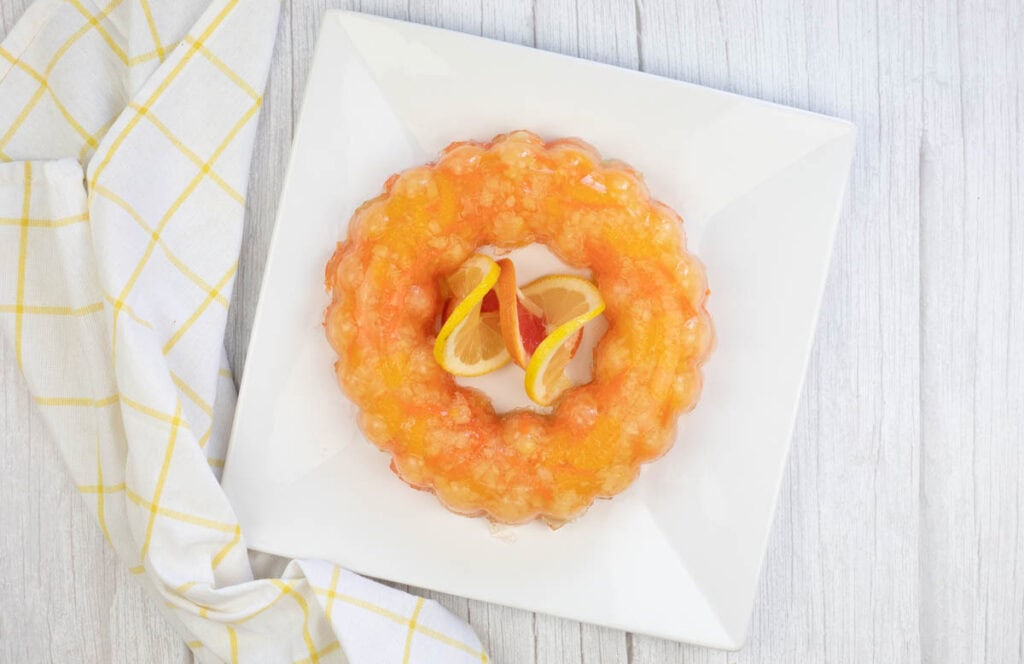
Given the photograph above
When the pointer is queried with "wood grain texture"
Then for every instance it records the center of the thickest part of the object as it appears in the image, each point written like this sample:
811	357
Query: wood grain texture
972	332
898	535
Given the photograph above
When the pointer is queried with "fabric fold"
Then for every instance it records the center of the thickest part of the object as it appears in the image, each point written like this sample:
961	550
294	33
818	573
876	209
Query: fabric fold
120	223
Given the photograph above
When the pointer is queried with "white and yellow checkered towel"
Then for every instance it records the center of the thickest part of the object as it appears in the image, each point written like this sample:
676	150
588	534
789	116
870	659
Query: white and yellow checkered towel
126	132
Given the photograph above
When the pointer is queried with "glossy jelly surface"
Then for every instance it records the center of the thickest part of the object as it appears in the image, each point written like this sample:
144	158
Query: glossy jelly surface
385	279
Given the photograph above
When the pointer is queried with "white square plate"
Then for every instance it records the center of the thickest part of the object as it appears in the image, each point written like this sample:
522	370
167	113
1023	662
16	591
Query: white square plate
759	185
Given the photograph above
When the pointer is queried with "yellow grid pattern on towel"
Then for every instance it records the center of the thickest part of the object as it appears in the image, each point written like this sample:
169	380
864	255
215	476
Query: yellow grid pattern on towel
19	305
181	265
116	408
94	22
153	31
476	653
45	223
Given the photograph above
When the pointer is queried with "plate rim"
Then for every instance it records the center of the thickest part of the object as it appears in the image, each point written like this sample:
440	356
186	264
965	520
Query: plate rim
339	19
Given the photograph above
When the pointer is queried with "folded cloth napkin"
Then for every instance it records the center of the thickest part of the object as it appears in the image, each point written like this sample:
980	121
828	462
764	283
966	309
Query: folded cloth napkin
126	132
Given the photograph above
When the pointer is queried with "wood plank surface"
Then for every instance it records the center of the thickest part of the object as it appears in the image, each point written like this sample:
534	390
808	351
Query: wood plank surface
898	534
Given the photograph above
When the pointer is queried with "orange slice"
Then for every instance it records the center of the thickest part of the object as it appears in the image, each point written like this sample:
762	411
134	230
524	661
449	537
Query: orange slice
522	322
470	342
568	304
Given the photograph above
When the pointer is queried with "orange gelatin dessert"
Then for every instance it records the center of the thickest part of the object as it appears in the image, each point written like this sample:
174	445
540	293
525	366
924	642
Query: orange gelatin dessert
385	283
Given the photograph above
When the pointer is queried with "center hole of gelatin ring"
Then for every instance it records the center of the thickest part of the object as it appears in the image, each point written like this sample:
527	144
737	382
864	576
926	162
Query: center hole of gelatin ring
504	387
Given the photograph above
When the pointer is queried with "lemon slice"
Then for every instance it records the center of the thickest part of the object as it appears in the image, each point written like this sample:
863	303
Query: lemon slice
568	303
470	342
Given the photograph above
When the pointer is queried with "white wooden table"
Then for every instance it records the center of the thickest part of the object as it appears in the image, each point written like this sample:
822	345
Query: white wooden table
899	534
